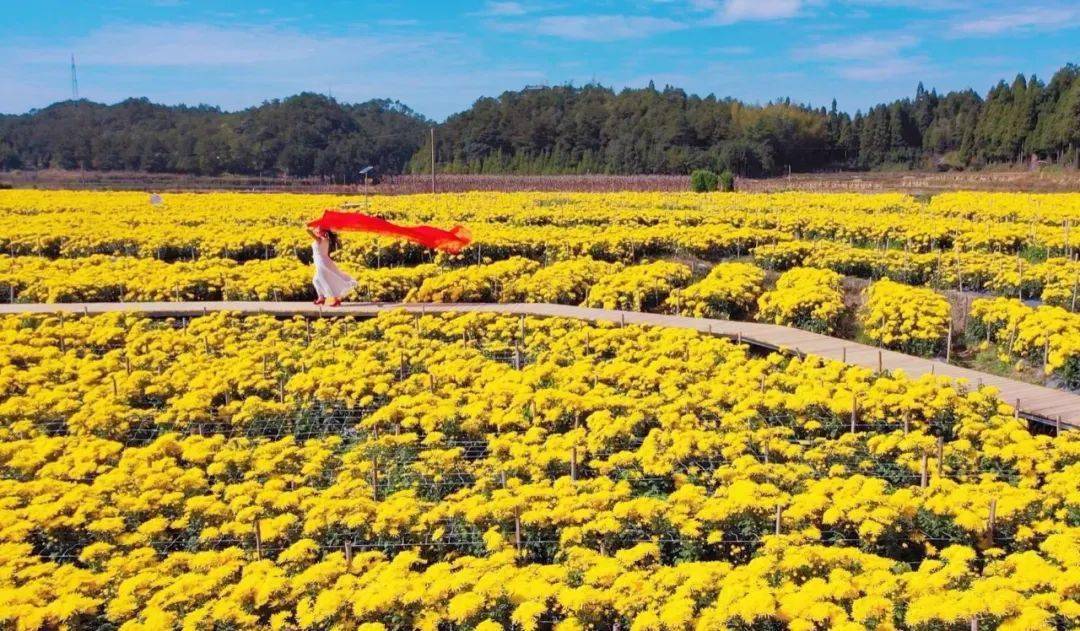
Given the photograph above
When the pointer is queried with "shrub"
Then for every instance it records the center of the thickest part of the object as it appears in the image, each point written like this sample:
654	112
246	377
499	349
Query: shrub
703	181
909	319
727	181
805	297
729	291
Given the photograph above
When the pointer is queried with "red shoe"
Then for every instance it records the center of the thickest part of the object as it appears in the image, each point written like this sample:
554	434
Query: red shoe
319	301
336	302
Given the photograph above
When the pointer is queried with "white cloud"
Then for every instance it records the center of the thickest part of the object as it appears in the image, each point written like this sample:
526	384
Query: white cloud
856	48
194	44
1031	18
504	9
595	28
884	69
742	10
731	11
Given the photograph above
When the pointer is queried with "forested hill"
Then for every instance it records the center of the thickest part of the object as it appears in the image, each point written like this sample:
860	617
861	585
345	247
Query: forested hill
589	129
306	134
594	129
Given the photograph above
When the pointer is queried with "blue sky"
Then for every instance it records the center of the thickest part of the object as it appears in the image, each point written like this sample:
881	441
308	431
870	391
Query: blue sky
438	57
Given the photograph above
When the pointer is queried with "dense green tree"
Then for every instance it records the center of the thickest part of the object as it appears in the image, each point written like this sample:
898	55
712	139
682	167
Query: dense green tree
560	129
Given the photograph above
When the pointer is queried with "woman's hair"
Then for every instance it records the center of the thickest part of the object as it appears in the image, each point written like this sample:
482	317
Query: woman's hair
335	241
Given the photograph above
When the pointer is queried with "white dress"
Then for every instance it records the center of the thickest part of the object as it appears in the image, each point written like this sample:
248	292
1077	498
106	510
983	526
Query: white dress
330	282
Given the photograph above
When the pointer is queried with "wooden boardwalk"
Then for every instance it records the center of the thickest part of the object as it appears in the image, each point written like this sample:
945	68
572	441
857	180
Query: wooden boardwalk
1044	405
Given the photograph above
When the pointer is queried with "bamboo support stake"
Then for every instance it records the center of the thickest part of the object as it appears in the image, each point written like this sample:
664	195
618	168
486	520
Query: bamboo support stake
307	327
281	389
521	328
907	422
517	357
348	556
404	369
116	389
879	363
948	344
843	355
127	364
1046	353
924	478
779	519
940	455
1016	409
573	463
622	319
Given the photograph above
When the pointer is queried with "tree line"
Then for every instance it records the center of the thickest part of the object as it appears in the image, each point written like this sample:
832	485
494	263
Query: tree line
559	129
303	135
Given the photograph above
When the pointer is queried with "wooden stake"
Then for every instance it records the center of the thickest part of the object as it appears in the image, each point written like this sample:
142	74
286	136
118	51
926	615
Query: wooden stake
940	455
517	531
375	477
762	384
907	422
779	519
404	370
521	328
127	364
573	463
843	355
992	522
258	540
116	390
1020	277
622	319
948	344
307	327
348	556
281	389
517	357
854	411
923	481
879	362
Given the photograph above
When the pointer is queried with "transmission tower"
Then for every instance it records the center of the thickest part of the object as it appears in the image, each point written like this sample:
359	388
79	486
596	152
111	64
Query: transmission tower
74	80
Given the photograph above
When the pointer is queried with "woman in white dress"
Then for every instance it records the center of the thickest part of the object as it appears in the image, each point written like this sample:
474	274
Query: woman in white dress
330	282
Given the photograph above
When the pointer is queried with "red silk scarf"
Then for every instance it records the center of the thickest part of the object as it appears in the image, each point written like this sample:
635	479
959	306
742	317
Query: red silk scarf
451	241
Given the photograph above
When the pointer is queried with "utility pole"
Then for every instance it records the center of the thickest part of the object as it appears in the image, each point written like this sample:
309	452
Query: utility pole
433	160
74	80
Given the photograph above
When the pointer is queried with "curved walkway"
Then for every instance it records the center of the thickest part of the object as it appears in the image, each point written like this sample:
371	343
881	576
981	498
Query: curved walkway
1037	403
